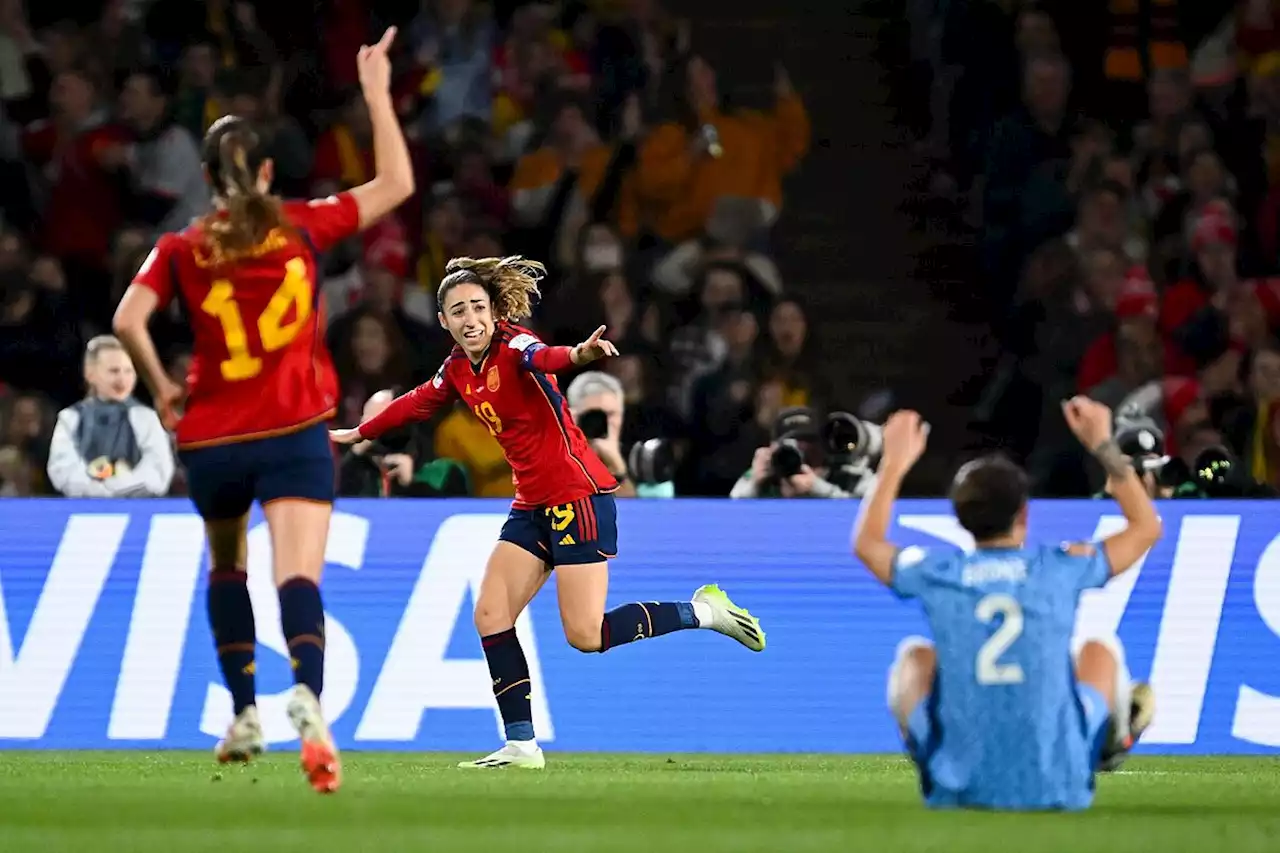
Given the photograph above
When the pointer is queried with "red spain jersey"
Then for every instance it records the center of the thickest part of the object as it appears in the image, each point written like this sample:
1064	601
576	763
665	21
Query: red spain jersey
260	366
514	393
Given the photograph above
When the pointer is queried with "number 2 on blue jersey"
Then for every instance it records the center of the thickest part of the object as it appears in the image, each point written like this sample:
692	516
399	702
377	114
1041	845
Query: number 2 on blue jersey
988	668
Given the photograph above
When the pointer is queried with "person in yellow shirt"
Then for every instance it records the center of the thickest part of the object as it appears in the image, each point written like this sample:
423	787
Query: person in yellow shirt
462	438
685	166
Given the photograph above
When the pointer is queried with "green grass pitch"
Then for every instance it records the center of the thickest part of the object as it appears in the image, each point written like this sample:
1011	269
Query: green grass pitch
97	802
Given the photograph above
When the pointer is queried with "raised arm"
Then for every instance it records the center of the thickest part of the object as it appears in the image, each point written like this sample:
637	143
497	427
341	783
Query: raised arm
1091	423
393	182
905	437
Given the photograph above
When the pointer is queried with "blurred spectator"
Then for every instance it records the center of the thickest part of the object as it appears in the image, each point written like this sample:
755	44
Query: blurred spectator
722	404
790	357
553	190
381	289
24	445
195	105
121	43
230	25
701	154
39	335
1245	425
109	444
462	437
450	41
254	93
699	348
1119	362
344	152
1025	199
83	203
596	393
370	357
477	190
646	416
445	231
734	224
393	466
162	164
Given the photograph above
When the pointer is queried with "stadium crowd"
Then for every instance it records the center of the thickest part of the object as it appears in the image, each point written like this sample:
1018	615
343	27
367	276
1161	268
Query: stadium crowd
589	135
1123	197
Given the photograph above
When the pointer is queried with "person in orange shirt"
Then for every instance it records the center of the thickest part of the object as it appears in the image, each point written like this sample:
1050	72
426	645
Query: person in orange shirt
686	164
573	152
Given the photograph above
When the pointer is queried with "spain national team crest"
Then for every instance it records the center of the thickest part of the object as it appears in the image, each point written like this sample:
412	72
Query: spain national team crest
491	381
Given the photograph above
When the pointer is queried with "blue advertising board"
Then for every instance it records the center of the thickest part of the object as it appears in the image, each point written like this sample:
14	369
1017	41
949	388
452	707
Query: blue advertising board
104	644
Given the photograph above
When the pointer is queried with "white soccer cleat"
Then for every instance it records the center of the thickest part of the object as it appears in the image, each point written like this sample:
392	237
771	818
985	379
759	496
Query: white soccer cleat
244	740
319	754
511	755
1142	711
729	619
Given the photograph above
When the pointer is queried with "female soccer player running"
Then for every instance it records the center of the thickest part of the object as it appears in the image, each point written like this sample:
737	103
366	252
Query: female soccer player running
261	387
563	516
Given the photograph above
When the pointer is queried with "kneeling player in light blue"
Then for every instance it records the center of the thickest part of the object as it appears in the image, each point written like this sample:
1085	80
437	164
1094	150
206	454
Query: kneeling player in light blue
997	712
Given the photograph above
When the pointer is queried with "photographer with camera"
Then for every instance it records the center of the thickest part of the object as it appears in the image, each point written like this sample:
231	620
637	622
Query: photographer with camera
389	467
1140	439
805	461
596	401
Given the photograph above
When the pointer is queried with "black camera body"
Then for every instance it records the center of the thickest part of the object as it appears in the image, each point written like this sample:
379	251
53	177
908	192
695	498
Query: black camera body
648	462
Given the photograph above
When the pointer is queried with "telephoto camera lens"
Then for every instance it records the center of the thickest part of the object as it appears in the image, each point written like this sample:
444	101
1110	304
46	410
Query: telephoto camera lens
848	437
786	460
651	462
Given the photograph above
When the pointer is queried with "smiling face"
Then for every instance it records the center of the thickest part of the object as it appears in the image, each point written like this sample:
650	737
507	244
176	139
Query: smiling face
467	313
110	374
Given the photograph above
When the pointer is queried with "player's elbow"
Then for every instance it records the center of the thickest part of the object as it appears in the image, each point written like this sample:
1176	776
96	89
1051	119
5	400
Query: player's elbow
1150	530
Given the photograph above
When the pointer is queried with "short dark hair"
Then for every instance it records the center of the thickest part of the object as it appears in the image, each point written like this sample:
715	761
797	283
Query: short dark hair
987	495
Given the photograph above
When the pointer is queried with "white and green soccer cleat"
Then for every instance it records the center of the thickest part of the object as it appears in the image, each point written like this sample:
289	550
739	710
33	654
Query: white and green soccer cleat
728	618
516	755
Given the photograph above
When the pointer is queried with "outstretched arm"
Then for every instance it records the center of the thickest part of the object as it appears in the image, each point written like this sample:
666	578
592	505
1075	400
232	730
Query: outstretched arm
416	405
905	435
536	355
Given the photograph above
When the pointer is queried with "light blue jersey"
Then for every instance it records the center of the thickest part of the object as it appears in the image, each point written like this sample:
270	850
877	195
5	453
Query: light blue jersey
1006	725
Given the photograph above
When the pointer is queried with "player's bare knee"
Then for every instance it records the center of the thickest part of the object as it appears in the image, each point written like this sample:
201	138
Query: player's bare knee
910	677
492	617
584	634
1096	664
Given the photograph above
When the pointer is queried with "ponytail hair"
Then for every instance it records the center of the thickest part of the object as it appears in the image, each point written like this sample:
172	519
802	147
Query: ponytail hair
233	155
511	282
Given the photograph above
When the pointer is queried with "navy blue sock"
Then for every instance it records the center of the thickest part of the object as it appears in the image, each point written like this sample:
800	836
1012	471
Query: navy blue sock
234	637
302	618
637	621
510	673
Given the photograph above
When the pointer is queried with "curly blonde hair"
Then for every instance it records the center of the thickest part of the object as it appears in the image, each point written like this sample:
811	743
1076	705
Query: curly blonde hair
511	282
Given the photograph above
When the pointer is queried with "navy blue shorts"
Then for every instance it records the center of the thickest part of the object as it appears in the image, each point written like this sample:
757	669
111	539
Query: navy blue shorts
572	534
225	480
